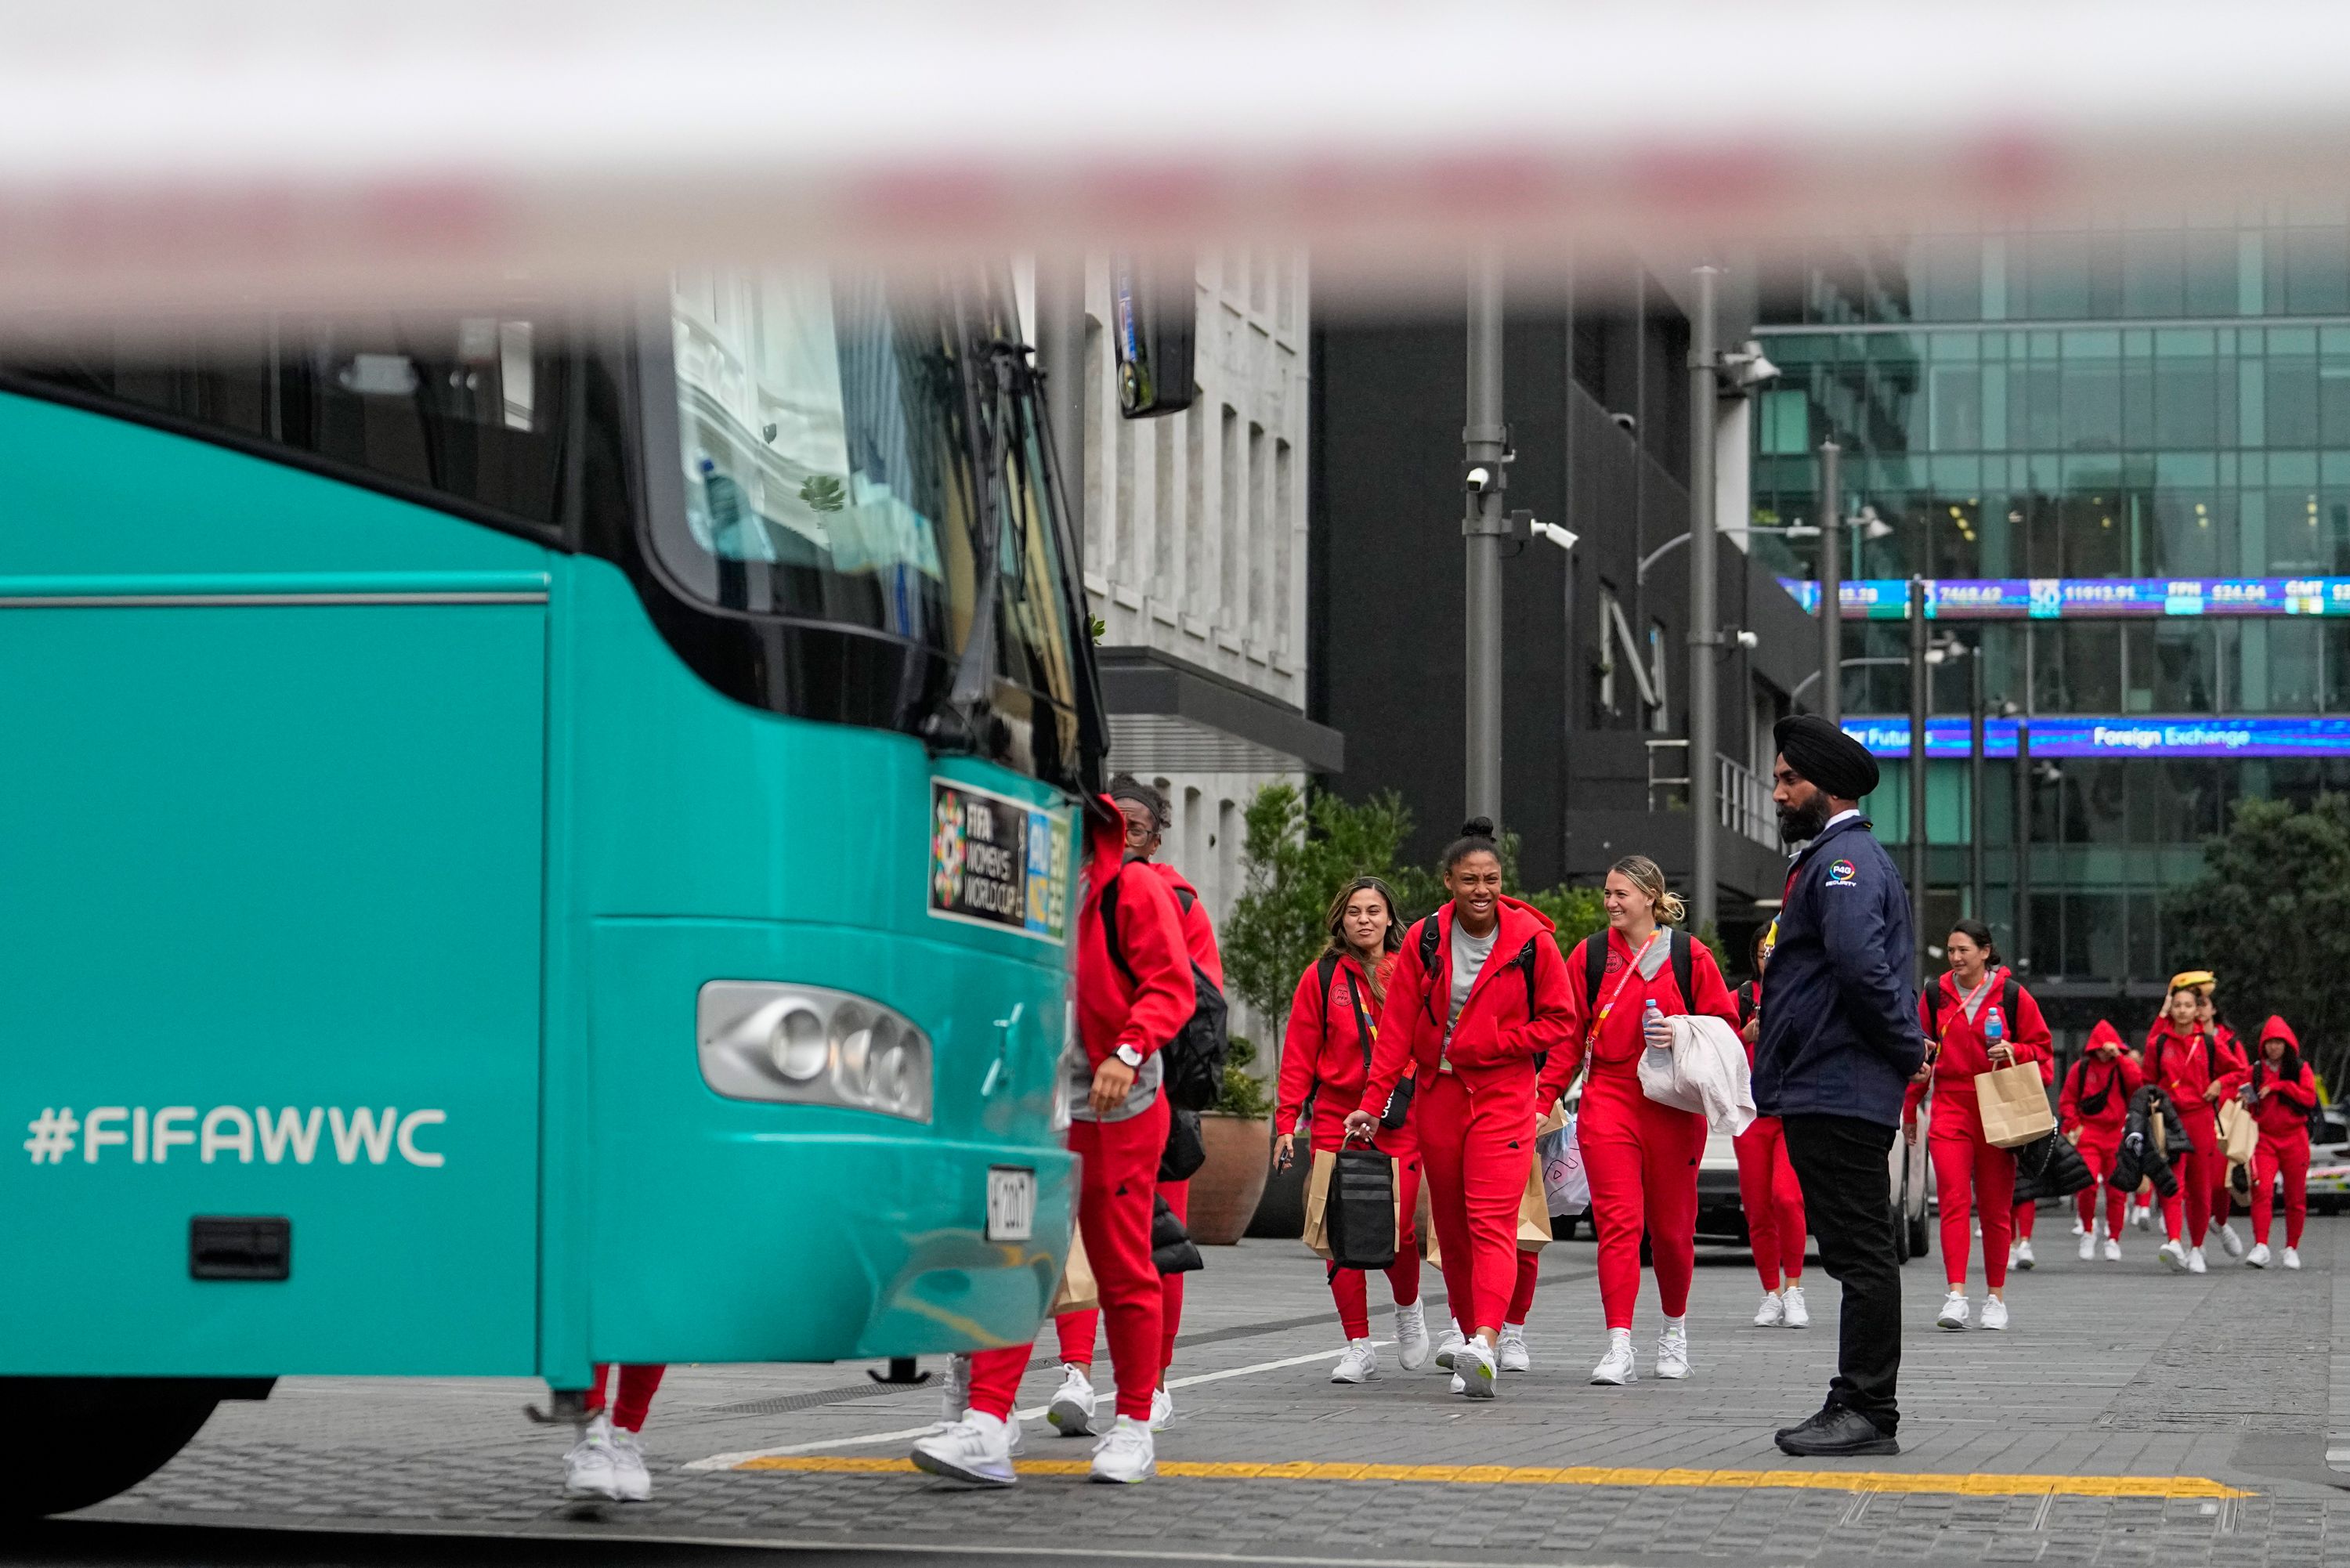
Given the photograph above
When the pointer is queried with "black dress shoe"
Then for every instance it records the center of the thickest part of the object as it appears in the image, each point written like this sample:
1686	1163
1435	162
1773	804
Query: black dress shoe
1840	1433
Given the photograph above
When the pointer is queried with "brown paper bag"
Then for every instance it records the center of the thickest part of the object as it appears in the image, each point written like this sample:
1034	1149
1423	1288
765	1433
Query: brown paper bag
2014	1101
1533	1212
2239	1134
1318	1197
1077	1292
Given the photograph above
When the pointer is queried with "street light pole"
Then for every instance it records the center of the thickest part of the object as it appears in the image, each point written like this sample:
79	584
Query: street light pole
1975	907
1485	444
1918	706
1830	581
2022	843
1704	620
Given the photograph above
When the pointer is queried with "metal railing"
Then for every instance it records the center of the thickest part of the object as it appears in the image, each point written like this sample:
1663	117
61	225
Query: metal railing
1744	795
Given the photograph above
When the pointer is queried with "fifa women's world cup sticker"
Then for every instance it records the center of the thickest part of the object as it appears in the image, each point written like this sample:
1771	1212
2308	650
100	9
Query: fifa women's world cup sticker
1001	862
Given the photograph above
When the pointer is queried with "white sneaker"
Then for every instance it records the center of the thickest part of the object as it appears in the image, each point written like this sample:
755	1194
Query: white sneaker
589	1470
954	1393
1616	1367
2088	1245
1798	1314
1162	1409
1772	1313
2258	1258
1672	1350
1071	1414
2173	1255
1954	1311
1994	1313
2113	1250
2195	1261
2230	1240
1479	1367
2293	1257
1512	1351
2020	1255
2142	1217
1127	1455
1411	1336
1359	1364
2079	1229
977	1448
635	1482
1453	1340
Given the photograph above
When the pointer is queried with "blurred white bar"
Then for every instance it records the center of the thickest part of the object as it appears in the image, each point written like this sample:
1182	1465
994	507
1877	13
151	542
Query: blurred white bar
218	156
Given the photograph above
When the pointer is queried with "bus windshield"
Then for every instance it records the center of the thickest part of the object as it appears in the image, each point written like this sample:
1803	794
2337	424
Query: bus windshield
836	434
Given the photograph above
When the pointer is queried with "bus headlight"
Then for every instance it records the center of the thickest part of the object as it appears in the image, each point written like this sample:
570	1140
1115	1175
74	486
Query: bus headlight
807	1044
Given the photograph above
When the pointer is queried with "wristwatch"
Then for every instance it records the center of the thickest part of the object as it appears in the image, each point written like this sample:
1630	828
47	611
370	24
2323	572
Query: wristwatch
1130	1055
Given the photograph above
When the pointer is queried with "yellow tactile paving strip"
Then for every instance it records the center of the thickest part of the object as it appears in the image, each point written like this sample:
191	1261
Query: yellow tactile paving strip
1891	1482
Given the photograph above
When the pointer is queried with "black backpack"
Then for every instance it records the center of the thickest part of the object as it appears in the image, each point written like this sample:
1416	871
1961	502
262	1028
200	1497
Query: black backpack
1194	1060
1595	969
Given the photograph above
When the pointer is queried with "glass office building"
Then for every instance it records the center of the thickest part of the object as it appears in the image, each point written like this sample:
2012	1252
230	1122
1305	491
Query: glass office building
2120	449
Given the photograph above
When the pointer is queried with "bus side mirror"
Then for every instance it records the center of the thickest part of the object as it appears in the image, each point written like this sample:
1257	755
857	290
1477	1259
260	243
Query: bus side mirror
1154	331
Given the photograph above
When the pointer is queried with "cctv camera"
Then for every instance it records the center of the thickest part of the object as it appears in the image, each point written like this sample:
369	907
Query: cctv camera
1627	424
1481	478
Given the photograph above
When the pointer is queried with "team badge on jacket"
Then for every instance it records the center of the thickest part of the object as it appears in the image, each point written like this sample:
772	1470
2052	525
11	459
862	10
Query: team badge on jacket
1841	874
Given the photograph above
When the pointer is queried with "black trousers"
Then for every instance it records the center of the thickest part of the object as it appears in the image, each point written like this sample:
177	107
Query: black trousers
1840	1163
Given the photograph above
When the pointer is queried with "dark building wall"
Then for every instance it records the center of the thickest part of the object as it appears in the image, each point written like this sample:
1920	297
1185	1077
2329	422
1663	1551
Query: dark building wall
1387	568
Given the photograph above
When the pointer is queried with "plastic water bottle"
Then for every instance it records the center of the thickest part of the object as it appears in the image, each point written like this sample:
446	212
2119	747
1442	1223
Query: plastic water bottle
1994	1031
1650	1015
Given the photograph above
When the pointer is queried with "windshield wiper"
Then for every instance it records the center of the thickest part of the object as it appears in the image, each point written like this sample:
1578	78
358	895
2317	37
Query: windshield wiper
958	724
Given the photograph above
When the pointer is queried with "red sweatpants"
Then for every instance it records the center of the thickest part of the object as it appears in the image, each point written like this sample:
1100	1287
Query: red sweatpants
1774	1201
1118	1162
1347	1286
1476	1150
1642	1160
2187	1214
2289	1154
2026	1219
2099	1157
1970	1176
1522	1295
638	1382
1075	1330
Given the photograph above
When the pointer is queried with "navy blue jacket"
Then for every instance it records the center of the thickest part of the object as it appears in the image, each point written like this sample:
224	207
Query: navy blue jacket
1840	1032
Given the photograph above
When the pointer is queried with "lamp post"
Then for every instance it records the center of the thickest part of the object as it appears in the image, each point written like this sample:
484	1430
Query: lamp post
1917	705
1485	443
1975	785
1830	581
1704	623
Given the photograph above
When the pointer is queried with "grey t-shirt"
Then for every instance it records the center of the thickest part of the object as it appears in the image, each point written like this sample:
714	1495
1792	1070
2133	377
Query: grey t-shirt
1468	955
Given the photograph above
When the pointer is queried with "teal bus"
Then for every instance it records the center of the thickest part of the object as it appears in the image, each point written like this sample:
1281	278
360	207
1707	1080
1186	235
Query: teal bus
532	838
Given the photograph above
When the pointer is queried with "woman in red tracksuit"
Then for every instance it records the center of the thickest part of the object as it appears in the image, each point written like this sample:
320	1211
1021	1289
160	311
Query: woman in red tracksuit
1325	1056
1118	1133
2091	1110
1074	1403
2187	1064
1641	1156
2280	1090
1768	1192
1969	1172
1469	1025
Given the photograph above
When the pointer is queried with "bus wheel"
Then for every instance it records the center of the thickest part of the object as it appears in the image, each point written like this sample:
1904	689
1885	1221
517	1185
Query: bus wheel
73	1441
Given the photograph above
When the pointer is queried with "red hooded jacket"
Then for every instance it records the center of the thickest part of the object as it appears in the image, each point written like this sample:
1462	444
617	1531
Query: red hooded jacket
1111	1011
1617	1045
1325	1054
2117	1080
2184	1065
1199	931
1963	1052
1498	1034
2283	1112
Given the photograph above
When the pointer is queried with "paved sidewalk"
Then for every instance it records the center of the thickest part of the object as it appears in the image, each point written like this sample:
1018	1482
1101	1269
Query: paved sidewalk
2130	1416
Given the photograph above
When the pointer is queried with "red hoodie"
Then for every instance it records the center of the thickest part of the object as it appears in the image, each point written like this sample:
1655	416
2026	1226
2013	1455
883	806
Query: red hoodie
1617	1045
1498	1033
1199	931
1146	1013
1325	1054
2284	1111
2184	1065
2117	1080
1963	1052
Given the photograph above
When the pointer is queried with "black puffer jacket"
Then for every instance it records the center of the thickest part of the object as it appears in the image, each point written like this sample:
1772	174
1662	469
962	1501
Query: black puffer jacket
2138	1160
1172	1250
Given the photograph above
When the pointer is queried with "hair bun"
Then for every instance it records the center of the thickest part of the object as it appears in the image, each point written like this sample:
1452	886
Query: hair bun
1477	828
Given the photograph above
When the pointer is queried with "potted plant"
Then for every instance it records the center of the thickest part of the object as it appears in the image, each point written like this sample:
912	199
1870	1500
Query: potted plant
1238	1136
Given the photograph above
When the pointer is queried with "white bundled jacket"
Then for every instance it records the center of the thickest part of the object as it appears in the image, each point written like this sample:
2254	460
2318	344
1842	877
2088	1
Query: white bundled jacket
1705	1071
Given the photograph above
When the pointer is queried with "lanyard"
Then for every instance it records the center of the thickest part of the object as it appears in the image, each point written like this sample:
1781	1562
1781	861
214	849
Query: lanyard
1969	1001
1608	1006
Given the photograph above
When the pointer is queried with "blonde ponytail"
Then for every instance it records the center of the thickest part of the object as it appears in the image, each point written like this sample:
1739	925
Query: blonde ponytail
1650	878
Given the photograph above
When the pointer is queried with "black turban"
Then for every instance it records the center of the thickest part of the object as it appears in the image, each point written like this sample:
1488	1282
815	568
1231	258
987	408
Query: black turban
1822	752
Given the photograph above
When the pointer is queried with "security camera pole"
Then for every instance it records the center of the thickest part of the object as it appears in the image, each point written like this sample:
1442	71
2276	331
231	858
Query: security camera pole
1705	621
1831	582
1485	444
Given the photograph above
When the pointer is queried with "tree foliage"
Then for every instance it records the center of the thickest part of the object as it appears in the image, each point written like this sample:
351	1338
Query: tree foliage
2271	917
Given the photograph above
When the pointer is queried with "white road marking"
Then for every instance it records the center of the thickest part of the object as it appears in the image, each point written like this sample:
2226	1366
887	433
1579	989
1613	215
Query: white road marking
729	1461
